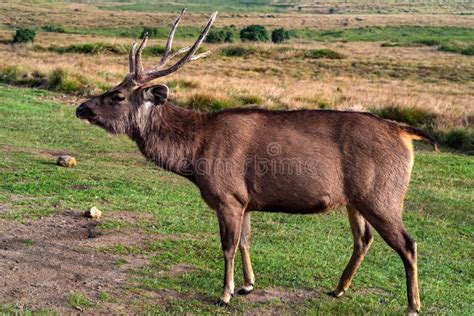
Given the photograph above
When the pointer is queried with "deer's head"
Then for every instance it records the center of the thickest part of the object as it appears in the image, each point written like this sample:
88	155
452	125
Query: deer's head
129	102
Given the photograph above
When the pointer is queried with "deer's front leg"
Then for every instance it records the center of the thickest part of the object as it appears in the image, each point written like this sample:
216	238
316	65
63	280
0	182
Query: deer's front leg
249	277
230	224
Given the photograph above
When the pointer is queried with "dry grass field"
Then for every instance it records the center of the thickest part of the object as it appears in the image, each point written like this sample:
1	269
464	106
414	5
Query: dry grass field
275	76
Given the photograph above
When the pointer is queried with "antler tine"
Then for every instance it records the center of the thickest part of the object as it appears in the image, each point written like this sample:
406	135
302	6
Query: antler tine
169	42
179	52
186	58
202	55
131	58
138	58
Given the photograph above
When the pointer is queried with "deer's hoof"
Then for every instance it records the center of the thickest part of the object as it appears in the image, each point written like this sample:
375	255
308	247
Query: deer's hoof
336	294
413	313
220	303
245	290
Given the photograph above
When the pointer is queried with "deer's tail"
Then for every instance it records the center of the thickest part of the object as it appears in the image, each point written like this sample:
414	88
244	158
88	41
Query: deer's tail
417	134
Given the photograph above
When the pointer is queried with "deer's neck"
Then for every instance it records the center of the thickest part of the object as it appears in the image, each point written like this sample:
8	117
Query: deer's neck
169	136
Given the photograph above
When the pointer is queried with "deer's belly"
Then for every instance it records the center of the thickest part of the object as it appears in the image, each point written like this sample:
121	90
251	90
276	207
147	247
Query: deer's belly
297	204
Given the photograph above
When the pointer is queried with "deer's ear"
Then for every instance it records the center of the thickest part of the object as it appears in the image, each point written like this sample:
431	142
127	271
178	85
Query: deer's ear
157	94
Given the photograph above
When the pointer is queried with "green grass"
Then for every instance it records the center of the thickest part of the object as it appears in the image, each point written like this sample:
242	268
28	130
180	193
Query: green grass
403	35
398	34
288	251
183	32
203	6
79	301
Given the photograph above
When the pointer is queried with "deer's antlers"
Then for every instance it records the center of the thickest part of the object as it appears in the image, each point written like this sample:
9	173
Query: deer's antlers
136	71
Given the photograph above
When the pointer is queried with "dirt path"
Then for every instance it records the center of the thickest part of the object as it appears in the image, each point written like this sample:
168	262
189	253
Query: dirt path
42	262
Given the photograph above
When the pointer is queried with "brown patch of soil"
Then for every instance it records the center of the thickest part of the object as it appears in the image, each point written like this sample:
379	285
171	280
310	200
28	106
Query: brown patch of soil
130	217
373	291
181	268
42	262
3	207
293	296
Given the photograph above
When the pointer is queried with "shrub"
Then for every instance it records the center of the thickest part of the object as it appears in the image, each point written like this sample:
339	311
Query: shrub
225	35
152	31
469	51
279	35
332	10
10	74
201	101
53	29
238	51
250	99
455	48
61	80
411	116
323	53
458	138
390	44
15	75
153	50
24	36
428	42
255	33
90	48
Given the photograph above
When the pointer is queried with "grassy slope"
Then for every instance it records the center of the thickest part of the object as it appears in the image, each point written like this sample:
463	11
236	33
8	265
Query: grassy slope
291	252
404	34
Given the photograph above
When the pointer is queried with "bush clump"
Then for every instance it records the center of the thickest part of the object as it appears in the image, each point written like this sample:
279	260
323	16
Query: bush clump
10	74
14	75
280	35
151	31
254	33
455	48
154	50
250	100
323	53
225	35
24	36
428	42
206	102
91	48
238	51
457	138
390	44
408	115
53	28
61	80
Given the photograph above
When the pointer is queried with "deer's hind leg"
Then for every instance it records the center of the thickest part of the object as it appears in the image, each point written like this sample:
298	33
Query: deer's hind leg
361	231
389	225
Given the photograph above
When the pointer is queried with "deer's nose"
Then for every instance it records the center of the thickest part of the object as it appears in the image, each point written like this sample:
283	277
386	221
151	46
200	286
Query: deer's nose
81	110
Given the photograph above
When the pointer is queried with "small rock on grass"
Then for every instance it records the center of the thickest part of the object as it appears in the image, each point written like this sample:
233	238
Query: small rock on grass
66	161
93	213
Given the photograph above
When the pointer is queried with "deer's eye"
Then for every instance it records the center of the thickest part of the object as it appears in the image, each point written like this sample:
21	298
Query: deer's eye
117	98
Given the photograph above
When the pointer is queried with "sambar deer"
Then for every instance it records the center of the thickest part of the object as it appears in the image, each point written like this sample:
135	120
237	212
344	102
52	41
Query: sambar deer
242	160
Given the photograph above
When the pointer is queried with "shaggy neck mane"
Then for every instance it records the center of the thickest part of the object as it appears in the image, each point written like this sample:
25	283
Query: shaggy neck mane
167	135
